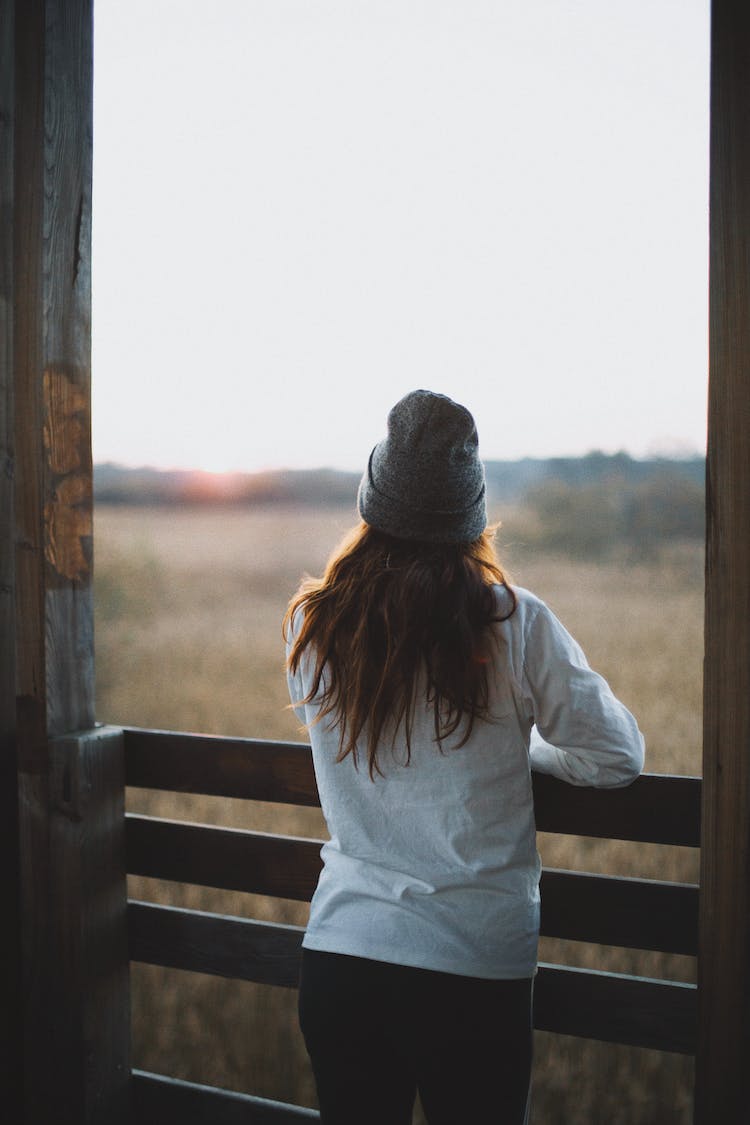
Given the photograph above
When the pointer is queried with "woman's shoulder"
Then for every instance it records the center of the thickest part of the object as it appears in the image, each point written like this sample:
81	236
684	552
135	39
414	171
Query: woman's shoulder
517	601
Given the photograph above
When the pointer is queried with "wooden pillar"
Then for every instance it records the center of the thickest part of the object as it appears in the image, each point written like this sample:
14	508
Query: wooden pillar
71	1011
11	1076
723	1062
81	1012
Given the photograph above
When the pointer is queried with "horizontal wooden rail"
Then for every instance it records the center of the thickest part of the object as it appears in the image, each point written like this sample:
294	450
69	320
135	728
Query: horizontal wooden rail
614	910
632	913
606	1006
157	1100
616	1008
608	910
237	948
222	767
656	808
227	858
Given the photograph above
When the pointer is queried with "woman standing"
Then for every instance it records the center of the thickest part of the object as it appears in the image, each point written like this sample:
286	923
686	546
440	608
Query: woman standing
431	688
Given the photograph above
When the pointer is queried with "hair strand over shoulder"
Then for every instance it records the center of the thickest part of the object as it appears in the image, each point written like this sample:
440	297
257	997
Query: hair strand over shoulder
390	617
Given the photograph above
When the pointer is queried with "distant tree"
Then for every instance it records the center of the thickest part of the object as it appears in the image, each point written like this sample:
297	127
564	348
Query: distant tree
666	507
590	520
582	521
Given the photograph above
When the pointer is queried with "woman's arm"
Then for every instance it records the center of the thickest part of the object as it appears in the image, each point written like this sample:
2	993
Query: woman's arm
583	734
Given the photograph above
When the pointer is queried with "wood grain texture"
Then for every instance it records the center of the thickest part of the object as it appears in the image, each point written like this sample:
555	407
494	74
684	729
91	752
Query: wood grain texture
593	1005
656	808
229	858
28	361
76	1029
634	913
268	952
89	1002
39	962
239	948
53	643
7	407
158	1100
722	1072
223	767
609	910
10	975
52	299
615	1008
66	373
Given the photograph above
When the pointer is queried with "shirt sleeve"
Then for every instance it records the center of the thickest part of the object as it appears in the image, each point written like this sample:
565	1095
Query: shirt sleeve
582	734
294	680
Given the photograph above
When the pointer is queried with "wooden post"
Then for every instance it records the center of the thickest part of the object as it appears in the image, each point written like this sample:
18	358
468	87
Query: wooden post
10	996
74	1005
722	1071
87	1006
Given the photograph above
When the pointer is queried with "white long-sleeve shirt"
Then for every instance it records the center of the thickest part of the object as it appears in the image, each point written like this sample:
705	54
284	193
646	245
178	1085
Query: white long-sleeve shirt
435	864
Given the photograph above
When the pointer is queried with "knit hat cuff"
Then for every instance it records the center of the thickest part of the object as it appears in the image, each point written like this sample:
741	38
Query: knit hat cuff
395	516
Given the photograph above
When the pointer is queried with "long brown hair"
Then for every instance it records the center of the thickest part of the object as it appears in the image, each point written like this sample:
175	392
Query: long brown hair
386	611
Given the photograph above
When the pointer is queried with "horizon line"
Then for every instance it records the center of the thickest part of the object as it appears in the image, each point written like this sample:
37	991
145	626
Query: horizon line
145	466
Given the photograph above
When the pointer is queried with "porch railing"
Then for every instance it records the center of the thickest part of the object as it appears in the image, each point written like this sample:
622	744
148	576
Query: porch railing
609	910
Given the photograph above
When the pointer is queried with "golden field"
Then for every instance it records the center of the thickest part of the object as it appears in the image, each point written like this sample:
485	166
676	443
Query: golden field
188	633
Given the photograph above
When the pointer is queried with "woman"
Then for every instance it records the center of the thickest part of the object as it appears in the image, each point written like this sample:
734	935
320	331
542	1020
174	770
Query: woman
431	688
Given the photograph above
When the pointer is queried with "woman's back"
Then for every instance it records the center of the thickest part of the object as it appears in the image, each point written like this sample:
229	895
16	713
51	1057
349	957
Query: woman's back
434	863
431	689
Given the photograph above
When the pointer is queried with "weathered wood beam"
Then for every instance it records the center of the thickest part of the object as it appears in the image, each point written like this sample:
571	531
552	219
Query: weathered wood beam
52	338
87	1001
158	1100
605	910
615	1008
11	1062
229	858
655	808
614	910
73	1029
722	1071
199	942
248	768
607	1006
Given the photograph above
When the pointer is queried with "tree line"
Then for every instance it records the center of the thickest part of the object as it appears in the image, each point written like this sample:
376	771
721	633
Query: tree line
582	506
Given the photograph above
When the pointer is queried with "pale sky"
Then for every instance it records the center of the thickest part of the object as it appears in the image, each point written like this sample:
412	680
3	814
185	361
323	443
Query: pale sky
304	209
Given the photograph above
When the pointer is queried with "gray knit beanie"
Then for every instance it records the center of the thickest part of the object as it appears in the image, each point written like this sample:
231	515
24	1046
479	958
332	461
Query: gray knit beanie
424	480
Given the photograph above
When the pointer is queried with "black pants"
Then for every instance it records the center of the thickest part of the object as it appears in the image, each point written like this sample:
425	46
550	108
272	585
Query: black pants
376	1033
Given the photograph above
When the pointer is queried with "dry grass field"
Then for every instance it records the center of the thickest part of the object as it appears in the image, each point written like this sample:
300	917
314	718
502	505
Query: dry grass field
189	606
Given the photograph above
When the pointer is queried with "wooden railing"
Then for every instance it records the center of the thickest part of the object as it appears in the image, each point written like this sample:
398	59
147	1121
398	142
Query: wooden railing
627	912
